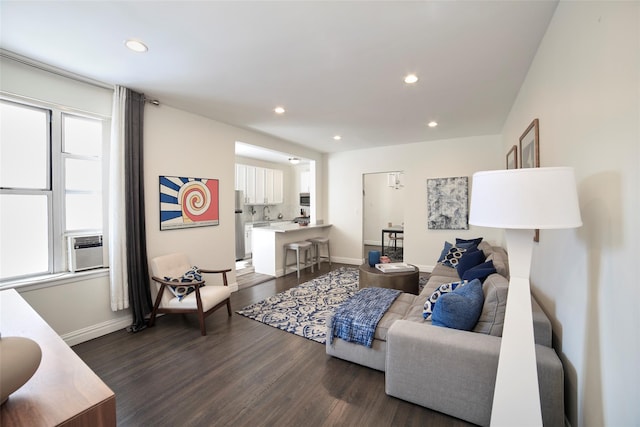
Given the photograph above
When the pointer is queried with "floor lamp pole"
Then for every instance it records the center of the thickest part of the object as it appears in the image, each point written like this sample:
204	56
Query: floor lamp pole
516	399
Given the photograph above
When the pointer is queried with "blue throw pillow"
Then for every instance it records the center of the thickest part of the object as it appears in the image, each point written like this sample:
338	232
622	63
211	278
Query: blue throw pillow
469	260
461	308
442	289
480	271
181	291
466	243
445	251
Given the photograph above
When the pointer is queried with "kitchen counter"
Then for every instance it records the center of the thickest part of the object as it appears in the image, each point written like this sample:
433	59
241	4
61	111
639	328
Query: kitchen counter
291	227
268	243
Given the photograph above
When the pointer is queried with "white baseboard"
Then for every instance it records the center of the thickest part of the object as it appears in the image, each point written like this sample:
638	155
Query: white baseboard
95	331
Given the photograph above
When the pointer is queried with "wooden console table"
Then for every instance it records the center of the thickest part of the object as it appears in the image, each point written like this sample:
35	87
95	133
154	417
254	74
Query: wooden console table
64	391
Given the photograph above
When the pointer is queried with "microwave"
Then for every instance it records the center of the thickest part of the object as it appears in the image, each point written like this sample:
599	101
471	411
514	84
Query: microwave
305	199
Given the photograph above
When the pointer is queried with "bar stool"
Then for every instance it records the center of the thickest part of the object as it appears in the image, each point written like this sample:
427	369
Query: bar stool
317	241
298	247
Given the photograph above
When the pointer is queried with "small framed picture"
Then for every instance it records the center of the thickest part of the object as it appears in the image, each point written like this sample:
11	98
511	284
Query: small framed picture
512	158
530	154
530	146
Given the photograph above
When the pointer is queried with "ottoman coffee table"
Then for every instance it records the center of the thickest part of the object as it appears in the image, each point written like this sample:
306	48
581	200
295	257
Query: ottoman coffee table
406	281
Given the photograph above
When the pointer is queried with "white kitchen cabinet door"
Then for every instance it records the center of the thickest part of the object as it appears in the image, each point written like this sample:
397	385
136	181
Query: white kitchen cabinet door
260	186
277	188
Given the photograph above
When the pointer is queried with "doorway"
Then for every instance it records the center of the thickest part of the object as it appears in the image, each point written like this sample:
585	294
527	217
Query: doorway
382	208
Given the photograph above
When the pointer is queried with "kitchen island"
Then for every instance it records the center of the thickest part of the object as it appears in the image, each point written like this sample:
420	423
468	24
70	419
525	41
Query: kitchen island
267	244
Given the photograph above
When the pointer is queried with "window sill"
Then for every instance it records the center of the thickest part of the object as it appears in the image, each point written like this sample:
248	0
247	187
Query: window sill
50	280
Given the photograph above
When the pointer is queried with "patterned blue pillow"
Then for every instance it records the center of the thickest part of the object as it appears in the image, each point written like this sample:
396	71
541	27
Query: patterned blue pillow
452	257
181	291
461	308
442	289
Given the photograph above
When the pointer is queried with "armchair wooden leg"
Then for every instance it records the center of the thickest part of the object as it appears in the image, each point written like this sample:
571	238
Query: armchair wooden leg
229	306
203	327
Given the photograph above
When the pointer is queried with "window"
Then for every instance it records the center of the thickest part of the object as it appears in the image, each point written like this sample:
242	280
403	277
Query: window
50	185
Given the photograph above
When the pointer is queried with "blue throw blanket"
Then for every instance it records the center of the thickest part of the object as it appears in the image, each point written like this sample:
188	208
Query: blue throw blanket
355	320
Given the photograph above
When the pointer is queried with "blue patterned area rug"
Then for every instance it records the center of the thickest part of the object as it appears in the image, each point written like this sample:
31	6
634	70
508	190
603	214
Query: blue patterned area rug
304	310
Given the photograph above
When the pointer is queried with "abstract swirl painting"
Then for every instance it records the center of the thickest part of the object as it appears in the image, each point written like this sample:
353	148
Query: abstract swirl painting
188	202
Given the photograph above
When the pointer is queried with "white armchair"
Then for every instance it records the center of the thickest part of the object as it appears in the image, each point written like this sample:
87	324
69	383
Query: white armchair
203	301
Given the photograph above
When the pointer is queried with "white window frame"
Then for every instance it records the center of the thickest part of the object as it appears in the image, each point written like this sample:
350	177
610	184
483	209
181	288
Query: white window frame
55	191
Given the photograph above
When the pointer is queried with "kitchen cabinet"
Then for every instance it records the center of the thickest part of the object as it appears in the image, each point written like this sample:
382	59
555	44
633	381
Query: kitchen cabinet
305	182
261	186
274	185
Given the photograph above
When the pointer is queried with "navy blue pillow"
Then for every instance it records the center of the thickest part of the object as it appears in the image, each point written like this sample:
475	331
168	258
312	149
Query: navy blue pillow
464	243
480	271
461	308
445	251
469	260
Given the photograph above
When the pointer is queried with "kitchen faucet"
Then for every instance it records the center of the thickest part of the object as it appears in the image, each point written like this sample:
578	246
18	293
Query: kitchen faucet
265	212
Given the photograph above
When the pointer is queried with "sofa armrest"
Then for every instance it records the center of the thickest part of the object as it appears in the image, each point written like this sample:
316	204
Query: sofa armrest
454	372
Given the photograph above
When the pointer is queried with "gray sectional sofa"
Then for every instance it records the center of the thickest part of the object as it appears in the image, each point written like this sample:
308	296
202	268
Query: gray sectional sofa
450	370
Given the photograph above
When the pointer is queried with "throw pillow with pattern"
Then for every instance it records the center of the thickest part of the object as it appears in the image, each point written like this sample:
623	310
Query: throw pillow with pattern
181	291
442	289
452	257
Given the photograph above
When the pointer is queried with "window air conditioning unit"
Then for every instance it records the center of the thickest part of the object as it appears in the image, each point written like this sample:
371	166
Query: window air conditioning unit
85	252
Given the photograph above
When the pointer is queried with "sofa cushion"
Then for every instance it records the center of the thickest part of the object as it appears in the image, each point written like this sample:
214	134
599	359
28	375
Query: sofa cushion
460	308
430	303
469	260
480	271
500	260
491	319
397	310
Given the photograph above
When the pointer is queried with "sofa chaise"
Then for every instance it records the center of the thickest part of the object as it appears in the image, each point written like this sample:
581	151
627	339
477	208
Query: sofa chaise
449	370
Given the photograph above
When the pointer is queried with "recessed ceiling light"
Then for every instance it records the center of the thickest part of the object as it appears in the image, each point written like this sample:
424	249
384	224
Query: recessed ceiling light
136	45
337	137
411	78
279	110
432	124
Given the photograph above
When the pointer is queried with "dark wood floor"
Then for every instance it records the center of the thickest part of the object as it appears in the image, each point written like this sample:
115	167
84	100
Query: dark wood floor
243	373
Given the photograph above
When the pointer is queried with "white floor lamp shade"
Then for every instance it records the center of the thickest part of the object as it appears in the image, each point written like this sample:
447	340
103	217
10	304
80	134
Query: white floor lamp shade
521	200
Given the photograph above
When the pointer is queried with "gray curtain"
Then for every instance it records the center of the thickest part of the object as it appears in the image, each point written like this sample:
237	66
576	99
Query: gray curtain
137	267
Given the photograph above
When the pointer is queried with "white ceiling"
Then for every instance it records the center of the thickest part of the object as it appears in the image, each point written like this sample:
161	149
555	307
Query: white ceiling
336	66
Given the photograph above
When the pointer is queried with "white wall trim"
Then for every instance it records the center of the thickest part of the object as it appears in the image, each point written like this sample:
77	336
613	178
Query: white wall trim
97	330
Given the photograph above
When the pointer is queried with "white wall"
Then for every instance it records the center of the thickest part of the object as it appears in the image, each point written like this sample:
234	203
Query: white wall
419	161
584	86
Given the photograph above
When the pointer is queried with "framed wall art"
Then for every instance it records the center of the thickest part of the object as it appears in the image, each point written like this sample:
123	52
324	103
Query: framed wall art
188	202
530	146
512	158
530	154
448	203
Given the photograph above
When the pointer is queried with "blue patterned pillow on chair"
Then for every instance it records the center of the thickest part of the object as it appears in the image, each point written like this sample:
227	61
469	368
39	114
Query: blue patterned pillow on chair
181	291
442	289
